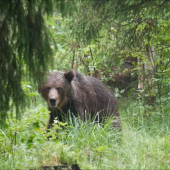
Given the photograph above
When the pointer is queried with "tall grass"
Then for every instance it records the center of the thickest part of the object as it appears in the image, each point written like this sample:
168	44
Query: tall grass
143	142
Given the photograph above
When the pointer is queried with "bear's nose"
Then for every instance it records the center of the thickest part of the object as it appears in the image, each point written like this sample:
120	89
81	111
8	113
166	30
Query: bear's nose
52	102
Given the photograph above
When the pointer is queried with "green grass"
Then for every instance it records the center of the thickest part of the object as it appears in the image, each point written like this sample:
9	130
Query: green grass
143	142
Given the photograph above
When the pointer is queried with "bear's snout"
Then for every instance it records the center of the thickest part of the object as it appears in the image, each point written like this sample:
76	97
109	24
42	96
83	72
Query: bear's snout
52	102
53	98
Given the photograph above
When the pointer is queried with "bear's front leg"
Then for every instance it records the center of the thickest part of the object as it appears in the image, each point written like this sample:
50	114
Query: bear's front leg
55	115
51	121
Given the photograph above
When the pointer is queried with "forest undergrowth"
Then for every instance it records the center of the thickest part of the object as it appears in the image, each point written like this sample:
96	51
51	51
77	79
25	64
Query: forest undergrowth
142	143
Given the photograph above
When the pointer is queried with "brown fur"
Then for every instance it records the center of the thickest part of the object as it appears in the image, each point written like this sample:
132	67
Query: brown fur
82	95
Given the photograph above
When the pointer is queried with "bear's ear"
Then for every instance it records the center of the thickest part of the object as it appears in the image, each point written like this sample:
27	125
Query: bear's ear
69	75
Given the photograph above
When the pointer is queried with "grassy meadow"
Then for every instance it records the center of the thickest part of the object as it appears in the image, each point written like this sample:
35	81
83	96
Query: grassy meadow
143	142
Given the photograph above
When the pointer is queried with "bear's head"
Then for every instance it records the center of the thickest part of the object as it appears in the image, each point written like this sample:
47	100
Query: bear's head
56	90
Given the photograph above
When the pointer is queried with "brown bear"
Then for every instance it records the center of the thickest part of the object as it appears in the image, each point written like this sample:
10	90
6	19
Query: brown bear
81	95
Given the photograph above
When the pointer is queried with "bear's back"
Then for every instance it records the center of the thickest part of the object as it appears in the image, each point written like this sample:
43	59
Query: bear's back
93	96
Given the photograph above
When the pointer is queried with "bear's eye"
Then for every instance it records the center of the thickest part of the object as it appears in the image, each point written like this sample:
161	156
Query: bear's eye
48	88
58	89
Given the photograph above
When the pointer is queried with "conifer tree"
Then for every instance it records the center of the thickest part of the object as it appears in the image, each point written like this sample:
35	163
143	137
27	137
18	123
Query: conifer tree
25	46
